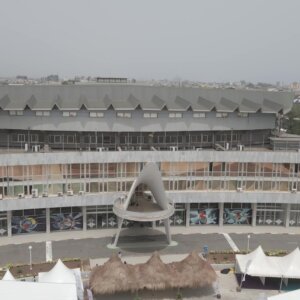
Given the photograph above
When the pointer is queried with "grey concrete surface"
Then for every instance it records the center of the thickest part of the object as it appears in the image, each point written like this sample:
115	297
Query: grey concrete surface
268	241
131	245
97	247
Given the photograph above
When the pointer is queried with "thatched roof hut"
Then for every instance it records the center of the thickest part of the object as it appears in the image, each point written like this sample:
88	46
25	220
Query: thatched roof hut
154	274
194	272
113	277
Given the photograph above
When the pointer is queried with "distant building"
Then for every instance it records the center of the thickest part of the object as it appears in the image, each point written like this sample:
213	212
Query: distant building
111	80
54	78
22	77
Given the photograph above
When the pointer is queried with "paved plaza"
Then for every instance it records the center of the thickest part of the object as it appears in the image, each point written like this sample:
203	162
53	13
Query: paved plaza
140	242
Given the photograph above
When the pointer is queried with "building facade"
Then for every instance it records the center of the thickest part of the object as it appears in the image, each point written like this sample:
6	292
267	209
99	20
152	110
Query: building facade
67	152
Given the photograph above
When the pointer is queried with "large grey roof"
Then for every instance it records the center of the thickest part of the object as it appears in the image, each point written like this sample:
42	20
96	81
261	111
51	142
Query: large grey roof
130	97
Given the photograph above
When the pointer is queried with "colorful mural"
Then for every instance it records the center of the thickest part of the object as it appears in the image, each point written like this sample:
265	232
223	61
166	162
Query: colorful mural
238	216
204	216
28	224
68	221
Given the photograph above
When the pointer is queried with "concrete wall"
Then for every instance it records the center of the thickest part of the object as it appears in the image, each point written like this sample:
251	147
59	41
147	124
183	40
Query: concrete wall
137	123
177	197
148	156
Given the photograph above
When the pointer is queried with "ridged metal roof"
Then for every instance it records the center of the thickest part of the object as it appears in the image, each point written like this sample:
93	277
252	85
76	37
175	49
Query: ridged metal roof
131	97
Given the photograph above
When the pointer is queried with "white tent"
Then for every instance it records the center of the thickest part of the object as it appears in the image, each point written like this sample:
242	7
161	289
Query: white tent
291	264
8	276
294	295
258	264
60	273
16	290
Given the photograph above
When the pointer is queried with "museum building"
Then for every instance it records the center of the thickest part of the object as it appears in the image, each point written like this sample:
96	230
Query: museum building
67	152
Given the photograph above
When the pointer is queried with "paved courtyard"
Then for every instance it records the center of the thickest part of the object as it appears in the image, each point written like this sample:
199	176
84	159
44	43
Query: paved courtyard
146	241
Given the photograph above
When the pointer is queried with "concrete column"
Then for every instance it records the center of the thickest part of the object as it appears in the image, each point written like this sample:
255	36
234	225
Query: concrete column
153	225
287	214
221	212
168	230
187	217
254	209
9	233
48	229
84	221
120	222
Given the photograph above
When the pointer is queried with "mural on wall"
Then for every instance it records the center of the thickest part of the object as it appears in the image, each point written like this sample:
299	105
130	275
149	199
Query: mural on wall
204	216
238	216
28	224
101	221
70	221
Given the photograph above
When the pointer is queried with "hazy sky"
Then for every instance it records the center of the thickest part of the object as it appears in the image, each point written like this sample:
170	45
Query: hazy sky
205	40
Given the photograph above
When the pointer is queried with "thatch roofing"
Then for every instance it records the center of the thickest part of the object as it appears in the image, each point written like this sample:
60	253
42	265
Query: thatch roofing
112	277
194	272
154	274
115	276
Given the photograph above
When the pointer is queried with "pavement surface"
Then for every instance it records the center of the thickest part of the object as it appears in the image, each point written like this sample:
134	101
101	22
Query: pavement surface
268	241
139	243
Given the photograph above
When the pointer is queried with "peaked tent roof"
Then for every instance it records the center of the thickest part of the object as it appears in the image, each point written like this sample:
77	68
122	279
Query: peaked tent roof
291	264
8	276
58	274
258	264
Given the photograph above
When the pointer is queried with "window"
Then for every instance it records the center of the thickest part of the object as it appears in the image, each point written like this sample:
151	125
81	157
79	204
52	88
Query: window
16	112
56	139
70	139
21	138
123	115
69	113
198	115
243	115
175	115
95	114
221	115
34	138
41	113
204	138
150	115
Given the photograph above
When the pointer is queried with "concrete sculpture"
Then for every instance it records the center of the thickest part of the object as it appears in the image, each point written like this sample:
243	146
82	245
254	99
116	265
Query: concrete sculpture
145	207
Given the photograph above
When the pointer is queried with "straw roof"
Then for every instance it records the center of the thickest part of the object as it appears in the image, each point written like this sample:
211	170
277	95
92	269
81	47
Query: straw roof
194	272
114	276
154	274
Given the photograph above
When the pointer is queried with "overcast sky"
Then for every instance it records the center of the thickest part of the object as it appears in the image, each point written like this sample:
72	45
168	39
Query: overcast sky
204	40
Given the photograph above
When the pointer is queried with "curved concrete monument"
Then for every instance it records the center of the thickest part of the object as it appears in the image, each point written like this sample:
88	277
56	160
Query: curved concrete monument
145	207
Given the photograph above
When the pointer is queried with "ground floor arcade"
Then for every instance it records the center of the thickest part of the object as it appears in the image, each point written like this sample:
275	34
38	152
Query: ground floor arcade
48	220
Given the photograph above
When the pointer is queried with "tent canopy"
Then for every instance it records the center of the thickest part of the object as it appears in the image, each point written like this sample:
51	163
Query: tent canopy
15	290
258	264
58	274
8	276
294	295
